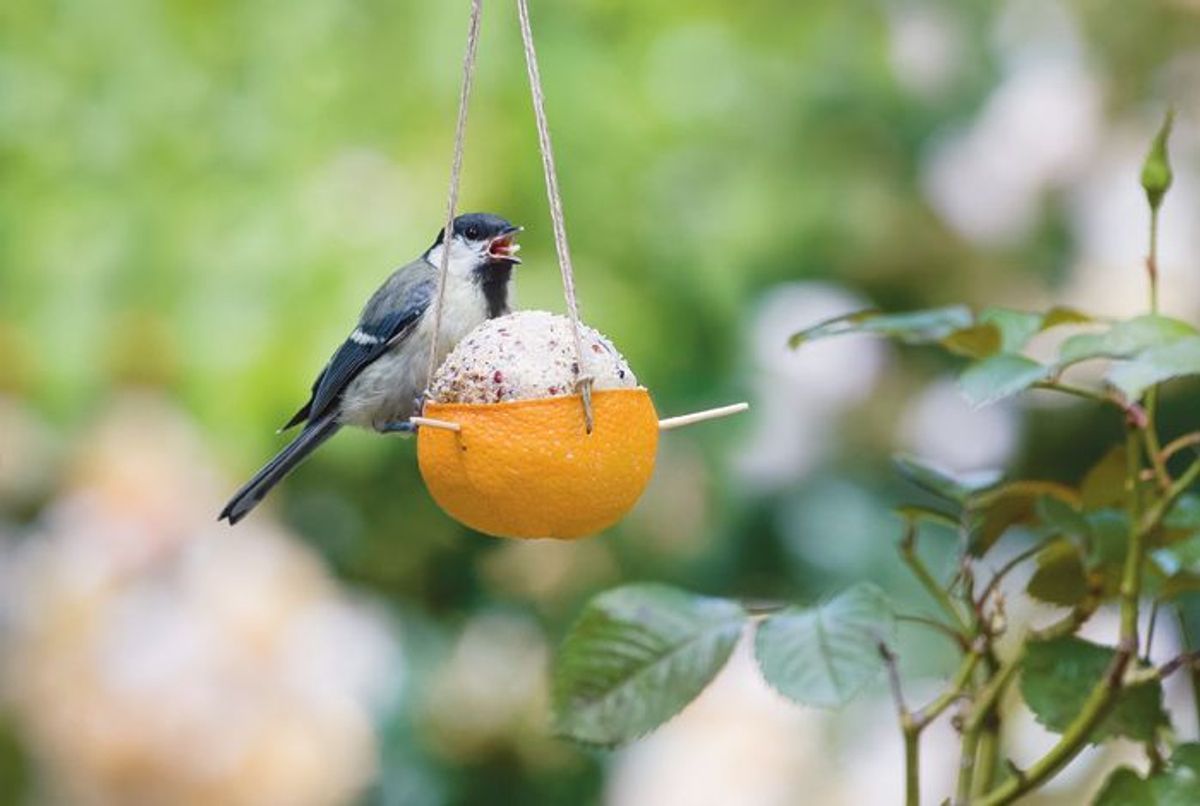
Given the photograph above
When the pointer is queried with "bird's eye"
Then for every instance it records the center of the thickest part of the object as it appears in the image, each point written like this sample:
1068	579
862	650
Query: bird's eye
473	233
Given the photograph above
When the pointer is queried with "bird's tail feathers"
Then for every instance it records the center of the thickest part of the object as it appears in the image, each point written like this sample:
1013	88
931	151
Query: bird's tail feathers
273	472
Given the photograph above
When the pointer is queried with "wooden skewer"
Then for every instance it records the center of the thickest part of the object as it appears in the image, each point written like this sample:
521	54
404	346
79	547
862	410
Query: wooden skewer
663	425
429	422
701	416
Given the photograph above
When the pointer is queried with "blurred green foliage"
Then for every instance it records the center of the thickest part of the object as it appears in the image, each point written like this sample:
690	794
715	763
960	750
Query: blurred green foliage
197	196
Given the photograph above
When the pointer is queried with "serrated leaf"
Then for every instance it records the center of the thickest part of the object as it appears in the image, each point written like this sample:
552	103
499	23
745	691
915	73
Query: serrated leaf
1016	327
941	482
977	341
1104	484
1000	376
1057	676
992	512
1156	365
1125	339
1059	578
825	655
913	327
1125	788
636	657
1107	547
1063	518
1177	784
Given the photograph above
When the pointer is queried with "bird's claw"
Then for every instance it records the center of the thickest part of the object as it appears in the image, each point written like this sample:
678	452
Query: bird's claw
402	427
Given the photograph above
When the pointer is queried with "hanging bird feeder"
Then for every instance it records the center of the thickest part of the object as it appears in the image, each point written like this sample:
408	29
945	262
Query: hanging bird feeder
534	426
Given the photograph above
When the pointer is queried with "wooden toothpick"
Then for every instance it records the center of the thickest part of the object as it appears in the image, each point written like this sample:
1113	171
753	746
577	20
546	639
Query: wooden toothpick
701	416
429	422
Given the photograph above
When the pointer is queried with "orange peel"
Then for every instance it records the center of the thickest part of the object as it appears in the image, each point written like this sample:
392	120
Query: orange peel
529	469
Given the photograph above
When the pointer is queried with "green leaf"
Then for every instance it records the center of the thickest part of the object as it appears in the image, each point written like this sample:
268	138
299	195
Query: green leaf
1179	584
1156	365
1057	676
1178	784
1124	339
992	512
1185	514
917	514
825	655
913	327
1000	376
1156	170
1016	327
1125	788
943	483
1104	484
1059	578
1059	315
636	657
1063	517
1107	548
977	341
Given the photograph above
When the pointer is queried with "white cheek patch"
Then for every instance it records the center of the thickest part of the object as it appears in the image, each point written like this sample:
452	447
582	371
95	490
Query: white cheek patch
463	258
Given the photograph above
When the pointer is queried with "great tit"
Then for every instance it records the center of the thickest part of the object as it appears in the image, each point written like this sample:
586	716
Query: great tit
375	378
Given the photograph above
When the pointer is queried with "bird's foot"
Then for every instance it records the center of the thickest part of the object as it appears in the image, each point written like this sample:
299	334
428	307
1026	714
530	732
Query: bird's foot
400	427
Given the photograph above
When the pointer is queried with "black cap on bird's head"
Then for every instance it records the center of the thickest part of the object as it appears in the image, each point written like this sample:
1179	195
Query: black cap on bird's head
489	233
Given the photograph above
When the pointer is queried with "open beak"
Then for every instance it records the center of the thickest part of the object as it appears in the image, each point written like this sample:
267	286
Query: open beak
504	246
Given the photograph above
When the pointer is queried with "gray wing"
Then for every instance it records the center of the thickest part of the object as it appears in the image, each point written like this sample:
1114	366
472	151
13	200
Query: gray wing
387	319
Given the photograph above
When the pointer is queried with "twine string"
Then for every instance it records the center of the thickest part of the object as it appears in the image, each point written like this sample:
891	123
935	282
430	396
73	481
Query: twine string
460	133
583	381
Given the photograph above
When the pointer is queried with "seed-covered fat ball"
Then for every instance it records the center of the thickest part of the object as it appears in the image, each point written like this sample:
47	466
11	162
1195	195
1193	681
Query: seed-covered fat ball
524	355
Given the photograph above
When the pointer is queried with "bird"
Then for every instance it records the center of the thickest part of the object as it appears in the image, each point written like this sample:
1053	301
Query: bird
376	378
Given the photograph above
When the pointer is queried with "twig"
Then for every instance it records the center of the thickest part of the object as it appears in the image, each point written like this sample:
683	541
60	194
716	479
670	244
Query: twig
1095	708
908	553
1131	578
908	728
1004	570
1176	445
953	692
1150	437
701	416
934	624
1150	630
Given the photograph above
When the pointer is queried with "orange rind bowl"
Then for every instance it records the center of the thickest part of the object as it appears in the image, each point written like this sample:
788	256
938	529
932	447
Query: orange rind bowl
529	468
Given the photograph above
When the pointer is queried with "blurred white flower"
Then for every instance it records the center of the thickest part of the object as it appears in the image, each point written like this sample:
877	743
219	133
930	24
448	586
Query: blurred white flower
738	743
800	393
1036	132
940	425
491	688
926	44
151	655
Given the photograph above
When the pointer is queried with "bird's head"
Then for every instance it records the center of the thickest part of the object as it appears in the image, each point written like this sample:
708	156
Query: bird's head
480	241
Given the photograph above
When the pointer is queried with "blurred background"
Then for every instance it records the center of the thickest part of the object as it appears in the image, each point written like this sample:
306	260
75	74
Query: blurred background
195	199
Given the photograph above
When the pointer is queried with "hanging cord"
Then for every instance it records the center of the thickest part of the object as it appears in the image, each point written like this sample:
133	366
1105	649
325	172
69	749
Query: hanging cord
460	132
584	380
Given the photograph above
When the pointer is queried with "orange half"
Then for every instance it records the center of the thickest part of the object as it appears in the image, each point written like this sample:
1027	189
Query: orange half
529	469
